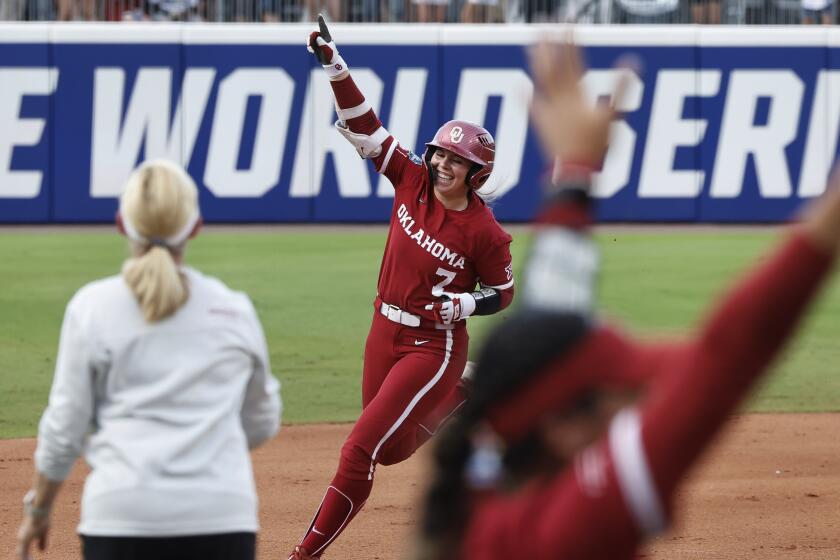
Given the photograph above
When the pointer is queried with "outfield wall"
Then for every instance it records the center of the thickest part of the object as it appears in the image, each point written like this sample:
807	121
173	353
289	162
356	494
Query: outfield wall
722	125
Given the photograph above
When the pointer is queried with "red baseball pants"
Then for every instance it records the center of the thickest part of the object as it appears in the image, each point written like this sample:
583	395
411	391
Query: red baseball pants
410	386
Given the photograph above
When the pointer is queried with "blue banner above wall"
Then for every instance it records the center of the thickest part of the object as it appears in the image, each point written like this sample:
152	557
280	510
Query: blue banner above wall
721	125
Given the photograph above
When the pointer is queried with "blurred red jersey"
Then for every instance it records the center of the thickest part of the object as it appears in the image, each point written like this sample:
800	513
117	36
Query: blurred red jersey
619	491
430	249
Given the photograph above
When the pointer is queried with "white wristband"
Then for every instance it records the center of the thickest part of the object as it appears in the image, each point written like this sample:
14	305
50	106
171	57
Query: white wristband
336	68
467	304
561	272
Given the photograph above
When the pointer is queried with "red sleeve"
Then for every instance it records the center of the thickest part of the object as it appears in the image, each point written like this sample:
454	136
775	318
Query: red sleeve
349	99
394	161
622	486
559	518
399	165
493	264
706	379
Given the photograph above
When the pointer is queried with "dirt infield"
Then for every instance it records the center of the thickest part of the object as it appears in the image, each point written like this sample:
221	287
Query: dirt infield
770	490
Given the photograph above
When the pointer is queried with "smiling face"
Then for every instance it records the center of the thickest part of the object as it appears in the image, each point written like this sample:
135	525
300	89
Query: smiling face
450	176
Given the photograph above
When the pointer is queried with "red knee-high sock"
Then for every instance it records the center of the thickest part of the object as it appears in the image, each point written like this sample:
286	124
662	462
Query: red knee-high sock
341	503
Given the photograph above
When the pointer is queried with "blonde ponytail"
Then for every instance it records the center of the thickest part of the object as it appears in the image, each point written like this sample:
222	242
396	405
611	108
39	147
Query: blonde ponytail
159	210
157	283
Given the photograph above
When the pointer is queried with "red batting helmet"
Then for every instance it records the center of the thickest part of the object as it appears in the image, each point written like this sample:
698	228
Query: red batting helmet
469	141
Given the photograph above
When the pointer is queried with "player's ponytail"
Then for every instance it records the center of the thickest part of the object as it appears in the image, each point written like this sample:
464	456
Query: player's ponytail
467	457
158	212
461	463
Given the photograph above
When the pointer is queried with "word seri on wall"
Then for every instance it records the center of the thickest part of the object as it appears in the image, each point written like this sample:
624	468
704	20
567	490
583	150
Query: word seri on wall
718	125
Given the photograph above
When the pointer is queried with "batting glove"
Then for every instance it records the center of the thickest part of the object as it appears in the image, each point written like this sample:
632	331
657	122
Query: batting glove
320	44
453	307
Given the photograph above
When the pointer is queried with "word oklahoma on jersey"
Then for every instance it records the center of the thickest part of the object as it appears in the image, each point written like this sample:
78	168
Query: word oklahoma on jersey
431	250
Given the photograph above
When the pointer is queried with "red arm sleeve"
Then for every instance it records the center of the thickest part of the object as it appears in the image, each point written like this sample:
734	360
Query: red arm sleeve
707	379
618	486
623	485
495	270
697	385
394	161
399	165
352	107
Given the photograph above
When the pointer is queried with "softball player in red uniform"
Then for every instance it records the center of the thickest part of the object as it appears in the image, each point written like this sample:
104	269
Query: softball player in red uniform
443	241
546	460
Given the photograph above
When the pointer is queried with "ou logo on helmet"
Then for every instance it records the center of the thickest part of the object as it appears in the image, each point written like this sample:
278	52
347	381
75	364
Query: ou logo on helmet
456	134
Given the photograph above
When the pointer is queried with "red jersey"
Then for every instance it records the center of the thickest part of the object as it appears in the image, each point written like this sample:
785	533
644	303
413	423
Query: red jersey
430	249
618	492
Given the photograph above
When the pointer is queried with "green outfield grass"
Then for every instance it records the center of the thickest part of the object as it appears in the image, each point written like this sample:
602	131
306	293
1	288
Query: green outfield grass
313	290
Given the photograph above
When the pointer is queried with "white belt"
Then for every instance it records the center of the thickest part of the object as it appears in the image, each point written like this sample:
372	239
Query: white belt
397	315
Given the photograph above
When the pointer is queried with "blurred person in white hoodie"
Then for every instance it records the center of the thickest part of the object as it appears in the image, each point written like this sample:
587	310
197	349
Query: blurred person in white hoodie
163	381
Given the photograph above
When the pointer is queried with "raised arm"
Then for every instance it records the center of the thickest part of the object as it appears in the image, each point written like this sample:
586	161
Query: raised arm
561	268
357	121
737	343
699	383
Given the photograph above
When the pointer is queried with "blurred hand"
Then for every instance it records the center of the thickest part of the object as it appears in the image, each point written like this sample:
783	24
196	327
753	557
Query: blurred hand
31	529
569	127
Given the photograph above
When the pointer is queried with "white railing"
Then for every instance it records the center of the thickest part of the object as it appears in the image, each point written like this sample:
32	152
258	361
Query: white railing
735	12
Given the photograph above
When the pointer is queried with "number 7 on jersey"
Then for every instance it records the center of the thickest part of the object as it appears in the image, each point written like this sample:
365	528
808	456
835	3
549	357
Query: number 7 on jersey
448	277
